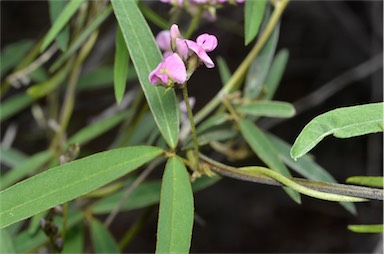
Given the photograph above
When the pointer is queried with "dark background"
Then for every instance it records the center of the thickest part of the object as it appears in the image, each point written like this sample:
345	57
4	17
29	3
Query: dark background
325	39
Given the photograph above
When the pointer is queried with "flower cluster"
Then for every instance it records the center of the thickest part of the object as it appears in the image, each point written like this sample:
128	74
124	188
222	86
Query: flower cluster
181	56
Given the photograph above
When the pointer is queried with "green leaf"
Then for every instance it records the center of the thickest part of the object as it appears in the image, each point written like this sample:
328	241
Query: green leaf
55	8
94	130
254	13
372	181
69	181
275	73
306	167
217	134
343	122
13	54
14	104
102	239
121	66
11	157
154	17
39	75
267	108
212	121
74	240
174	229
146	56
6	242
366	228
260	66
260	144
82	37
143	129
60	22
225	72
25	168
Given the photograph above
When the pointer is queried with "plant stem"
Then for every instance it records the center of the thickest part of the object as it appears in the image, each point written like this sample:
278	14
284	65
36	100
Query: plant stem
237	77
191	121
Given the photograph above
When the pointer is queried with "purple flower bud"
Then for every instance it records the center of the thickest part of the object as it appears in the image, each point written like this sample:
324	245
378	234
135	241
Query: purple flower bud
43	222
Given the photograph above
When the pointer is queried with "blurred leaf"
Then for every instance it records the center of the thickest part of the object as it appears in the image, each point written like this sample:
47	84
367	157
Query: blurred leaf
76	178
34	223
260	144
213	121
152	16
55	8
12	54
121	66
96	129
366	228
74	240
176	212
11	157
6	243
343	122
216	134
225	72
306	167
60	22
142	130
260	66
14	104
82	37
39	90
372	181
146	56
102	239
25	168
254	13
275	73
39	75
267	108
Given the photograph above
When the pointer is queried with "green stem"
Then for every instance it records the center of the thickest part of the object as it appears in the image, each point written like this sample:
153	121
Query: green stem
191	121
320	190
194	24
237	77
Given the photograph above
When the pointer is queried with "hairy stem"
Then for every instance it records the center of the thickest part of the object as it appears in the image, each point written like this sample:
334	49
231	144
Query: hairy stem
191	121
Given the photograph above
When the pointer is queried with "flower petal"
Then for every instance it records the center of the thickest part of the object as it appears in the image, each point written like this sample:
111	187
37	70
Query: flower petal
207	42
163	40
175	68
200	52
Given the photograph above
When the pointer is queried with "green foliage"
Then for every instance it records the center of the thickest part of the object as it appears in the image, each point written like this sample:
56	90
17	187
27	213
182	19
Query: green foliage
344	122
372	181
102	239
176	212
254	12
76	178
267	108
11	157
275	73
12	55
14	104
366	228
55	8
145	56
121	66
6	243
74	240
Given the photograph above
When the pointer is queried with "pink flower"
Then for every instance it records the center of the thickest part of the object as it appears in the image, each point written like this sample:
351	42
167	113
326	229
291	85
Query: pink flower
163	40
204	43
171	69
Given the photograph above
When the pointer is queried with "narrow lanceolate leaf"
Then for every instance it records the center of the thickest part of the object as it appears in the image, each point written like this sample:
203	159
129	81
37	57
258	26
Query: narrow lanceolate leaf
175	224
342	123
6	242
55	8
254	13
146	56
11	157
366	228
267	108
60	22
12	55
74	240
260	144
69	181
306	167
121	66
225	72
372	181
14	104
102	239
275	73
22	170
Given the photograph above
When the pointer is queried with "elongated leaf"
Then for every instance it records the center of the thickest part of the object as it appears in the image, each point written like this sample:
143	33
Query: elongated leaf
213	121
11	157
267	108
27	167
153	16
55	8
6	242
143	130
260	144
366	228
217	134
276	73
306	167
342	123
121	66
102	239
60	22
372	181
254	13
74	240
96	129
12	55
71	180
225	73
83	36
146	56
174	229
15	104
